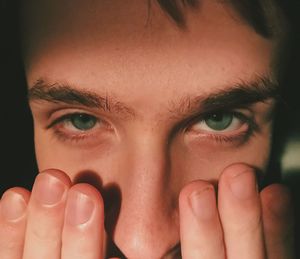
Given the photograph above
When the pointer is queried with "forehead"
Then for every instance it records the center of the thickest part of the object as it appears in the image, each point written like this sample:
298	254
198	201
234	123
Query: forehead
125	40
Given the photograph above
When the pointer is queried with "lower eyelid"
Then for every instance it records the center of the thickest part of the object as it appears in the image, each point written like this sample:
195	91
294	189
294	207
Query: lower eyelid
86	141
68	135
240	131
208	139
233	139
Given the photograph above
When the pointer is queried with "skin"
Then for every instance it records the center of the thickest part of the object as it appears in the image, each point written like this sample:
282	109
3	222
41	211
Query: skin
126	164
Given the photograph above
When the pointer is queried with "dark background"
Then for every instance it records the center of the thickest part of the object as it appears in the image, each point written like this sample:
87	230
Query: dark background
18	166
17	153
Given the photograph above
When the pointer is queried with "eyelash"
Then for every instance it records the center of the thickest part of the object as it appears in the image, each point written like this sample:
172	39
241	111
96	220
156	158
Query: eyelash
62	136
252	127
217	137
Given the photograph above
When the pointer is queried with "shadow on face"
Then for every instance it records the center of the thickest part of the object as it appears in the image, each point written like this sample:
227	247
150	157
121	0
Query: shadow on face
126	101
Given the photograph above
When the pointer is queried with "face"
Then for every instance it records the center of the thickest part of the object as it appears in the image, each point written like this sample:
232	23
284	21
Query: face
124	99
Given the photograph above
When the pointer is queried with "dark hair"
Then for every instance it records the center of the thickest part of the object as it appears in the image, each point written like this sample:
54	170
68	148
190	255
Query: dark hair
250	10
253	12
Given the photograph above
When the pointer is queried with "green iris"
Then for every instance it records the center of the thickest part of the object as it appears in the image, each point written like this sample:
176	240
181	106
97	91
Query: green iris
83	121
219	121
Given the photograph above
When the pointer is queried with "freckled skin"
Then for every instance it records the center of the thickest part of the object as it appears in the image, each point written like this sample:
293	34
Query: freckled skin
147	64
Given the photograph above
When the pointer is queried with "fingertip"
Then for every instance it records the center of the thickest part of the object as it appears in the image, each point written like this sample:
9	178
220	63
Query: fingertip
84	223
236	169
59	174
14	204
89	191
192	188
200	227
22	192
231	173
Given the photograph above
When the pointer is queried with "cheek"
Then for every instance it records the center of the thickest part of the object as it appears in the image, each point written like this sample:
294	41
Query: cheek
187	162
207	162
53	153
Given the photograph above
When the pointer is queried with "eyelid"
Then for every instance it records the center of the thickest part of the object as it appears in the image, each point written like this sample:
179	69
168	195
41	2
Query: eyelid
68	115
235	123
85	138
239	113
233	137
60	119
247	119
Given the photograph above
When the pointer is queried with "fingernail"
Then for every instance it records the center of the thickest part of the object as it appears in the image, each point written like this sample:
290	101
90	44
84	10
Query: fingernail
13	206
48	190
203	203
243	185
80	208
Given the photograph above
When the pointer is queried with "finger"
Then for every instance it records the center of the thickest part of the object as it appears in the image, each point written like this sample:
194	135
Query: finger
200	229
278	222
13	222
46	216
83	227
240	213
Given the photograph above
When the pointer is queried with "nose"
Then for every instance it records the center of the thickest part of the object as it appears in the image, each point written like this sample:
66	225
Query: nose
147	226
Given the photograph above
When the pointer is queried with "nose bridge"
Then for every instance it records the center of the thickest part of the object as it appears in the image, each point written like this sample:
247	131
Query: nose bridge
148	165
148	162
148	216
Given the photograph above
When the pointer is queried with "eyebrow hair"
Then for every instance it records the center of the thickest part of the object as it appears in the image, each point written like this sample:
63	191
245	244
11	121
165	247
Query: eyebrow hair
64	93
241	94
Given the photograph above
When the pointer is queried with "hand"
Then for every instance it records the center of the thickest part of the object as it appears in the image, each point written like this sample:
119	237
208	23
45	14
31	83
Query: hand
56	213
253	226
243	223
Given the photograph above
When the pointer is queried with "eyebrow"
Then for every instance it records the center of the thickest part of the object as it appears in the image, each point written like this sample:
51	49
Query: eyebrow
241	94
67	94
238	95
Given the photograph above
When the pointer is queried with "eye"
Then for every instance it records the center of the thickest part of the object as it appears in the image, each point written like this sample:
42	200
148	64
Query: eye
224	126
79	127
83	122
76	123
219	122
